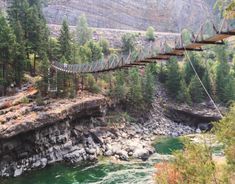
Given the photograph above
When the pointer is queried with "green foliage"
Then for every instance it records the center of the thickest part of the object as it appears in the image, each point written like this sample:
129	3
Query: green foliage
226	7
91	83
188	70
135	93
84	33
128	42
26	19
43	69
196	90
222	75
225	132
173	77
229	91
104	44
85	54
96	50
184	94
162	73
150	35
120	90
7	48
39	100
65	42
24	100
53	49
207	81
148	85
191	169
186	36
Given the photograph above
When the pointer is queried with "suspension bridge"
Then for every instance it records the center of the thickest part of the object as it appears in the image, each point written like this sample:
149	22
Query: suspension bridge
147	54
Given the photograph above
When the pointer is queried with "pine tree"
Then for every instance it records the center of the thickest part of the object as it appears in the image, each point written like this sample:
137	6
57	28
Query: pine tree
84	33
188	70
150	35
104	44
19	58
173	77
135	93
229	91
96	50
128	42
85	54
222	72
148	85
7	44
196	90
43	69
29	16
119	92
65	42
207	81
184	94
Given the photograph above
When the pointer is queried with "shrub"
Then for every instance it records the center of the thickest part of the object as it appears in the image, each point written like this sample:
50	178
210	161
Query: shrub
91	84
24	100
150	35
128	41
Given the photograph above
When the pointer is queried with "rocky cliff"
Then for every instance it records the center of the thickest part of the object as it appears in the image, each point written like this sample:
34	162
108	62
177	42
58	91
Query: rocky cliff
164	15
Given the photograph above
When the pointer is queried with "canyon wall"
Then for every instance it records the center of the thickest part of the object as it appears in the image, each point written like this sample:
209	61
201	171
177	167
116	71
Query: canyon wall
164	15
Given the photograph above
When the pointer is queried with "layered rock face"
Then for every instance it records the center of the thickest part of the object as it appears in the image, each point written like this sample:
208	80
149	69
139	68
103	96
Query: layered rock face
164	15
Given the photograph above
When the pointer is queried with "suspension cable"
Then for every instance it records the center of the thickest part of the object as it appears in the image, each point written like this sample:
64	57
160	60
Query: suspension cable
208	94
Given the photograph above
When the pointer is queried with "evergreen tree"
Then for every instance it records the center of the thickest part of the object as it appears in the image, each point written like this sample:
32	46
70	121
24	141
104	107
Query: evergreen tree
85	54
19	60
43	69
188	70
162	73
84	33
7	44
96	50
148	85
206	80
229	91
150	35
173	77
135	93
119	92
128	42
28	15
196	90
222	72
104	44
65	42
53	49
184	94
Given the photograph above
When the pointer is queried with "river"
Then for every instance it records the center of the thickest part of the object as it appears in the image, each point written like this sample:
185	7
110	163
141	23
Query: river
104	172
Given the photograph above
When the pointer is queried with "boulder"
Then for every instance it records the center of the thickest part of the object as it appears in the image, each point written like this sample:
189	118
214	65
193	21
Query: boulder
141	153
18	171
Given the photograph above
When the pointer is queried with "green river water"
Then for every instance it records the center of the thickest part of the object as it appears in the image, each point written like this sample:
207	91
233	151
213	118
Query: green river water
104	172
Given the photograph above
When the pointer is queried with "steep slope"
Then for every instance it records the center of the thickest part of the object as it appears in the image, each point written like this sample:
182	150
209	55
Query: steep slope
164	15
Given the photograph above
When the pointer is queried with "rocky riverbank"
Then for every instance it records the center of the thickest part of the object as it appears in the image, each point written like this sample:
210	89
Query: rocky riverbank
76	130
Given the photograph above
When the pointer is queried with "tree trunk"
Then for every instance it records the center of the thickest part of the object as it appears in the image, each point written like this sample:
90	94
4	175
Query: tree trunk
34	65
82	82
4	82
